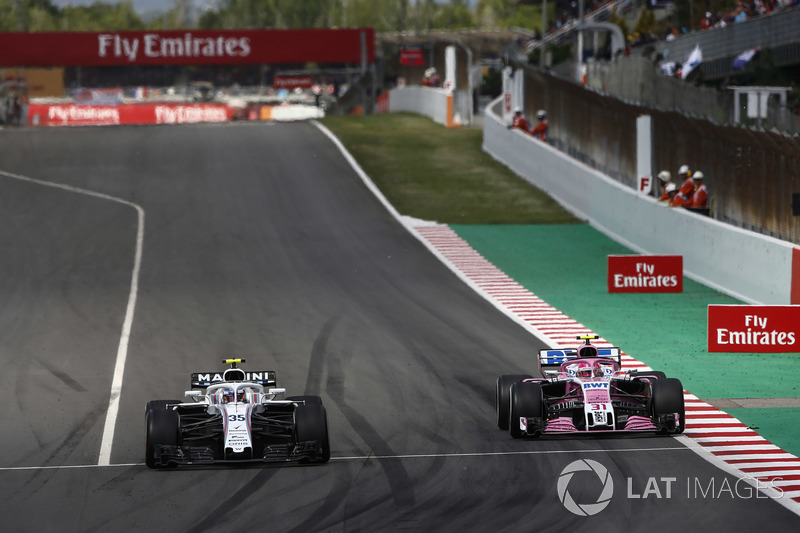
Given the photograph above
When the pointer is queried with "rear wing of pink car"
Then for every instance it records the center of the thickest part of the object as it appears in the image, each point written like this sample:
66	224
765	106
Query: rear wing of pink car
550	360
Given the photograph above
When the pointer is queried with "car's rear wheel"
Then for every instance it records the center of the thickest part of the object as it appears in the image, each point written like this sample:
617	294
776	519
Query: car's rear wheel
311	423
667	398
503	397
527	401
162	427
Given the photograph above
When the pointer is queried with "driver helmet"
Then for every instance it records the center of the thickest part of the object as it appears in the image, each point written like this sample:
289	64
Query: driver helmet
227	395
581	370
241	396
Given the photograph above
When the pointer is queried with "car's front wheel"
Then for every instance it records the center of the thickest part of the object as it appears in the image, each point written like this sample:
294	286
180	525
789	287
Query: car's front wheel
503	397
527	401
311	423
667	398
162	427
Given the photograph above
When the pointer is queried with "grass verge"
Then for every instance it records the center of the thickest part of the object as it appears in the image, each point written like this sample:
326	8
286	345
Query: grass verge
434	173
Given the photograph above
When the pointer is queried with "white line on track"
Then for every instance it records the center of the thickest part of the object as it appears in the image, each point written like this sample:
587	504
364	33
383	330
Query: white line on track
122	350
388	457
491	454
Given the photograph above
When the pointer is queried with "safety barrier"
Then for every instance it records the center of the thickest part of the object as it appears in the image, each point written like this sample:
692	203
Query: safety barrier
436	104
751	267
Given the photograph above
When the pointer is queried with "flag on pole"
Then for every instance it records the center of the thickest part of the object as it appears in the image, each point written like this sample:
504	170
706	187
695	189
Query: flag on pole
694	59
744	58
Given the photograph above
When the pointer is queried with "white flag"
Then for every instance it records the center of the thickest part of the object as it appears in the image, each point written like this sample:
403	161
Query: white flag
694	59
744	58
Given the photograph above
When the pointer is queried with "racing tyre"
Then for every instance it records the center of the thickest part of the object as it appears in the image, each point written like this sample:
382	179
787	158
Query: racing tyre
667	399
527	401
311	423
162	427
503	397
308	400
159	404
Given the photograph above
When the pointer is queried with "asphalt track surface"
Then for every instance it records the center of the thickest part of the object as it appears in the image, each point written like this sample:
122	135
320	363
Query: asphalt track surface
261	241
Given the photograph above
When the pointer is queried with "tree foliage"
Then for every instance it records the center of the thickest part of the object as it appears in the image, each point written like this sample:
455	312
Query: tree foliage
646	23
383	15
455	15
43	15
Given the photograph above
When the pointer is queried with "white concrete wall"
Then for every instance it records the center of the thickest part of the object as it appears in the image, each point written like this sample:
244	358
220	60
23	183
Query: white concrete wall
296	112
428	101
748	266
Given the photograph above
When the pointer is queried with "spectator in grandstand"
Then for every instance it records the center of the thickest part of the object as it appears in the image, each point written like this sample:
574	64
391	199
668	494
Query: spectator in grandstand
519	121
700	198
540	130
740	13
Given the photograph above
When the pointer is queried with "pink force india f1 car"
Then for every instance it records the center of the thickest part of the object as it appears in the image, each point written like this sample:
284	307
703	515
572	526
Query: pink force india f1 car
584	391
236	417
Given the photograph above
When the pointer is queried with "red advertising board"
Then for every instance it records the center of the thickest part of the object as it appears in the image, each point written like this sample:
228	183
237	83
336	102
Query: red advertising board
645	273
186	47
411	57
103	115
754	328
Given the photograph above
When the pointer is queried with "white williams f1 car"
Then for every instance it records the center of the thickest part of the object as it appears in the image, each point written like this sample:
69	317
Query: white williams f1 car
236	419
584	391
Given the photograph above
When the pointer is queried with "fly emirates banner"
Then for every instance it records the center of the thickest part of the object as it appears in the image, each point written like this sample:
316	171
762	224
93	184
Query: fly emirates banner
754	328
186	47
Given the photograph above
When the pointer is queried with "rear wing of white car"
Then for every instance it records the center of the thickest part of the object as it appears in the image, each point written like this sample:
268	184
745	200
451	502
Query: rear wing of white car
267	378
550	360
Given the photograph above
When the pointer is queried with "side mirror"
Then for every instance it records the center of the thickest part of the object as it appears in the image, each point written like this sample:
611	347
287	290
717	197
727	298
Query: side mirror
276	392
192	393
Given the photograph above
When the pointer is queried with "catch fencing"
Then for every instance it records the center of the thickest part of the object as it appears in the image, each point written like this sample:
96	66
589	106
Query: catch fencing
753	176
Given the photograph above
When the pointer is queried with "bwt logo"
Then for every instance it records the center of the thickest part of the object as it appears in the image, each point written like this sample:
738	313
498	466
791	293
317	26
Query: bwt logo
586	509
595	385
